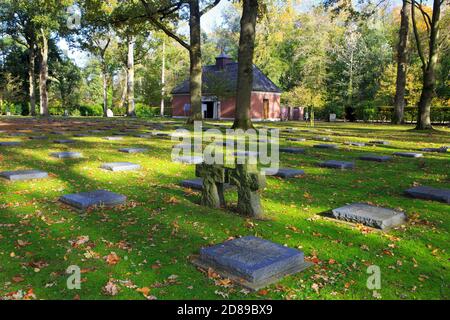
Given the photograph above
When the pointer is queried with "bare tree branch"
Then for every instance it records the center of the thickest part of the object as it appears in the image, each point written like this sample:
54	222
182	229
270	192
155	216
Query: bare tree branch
209	7
163	27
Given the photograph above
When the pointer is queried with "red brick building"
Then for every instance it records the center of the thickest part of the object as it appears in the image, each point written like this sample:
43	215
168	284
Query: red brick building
219	87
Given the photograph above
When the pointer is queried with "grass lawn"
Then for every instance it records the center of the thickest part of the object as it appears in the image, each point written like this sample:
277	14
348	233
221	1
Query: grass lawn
143	248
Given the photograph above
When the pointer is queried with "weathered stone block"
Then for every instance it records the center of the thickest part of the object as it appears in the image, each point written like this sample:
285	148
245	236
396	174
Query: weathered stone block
372	216
85	200
252	262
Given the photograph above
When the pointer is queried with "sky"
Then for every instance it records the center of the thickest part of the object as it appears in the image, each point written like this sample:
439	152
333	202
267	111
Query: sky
208	22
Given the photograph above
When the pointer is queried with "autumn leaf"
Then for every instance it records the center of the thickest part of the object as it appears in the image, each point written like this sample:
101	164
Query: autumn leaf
111	289
112	259
263	292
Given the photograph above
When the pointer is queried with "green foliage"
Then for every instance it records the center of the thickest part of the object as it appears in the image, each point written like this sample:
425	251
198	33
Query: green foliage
91	110
145	111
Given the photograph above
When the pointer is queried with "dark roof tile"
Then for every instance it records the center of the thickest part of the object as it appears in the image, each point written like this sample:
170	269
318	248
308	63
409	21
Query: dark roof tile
229	74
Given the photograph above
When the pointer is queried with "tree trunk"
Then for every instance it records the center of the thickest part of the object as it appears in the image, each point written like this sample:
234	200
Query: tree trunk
399	100
242	118
424	119
195	55
131	112
124	92
428	67
32	80
105	92
43	77
163	77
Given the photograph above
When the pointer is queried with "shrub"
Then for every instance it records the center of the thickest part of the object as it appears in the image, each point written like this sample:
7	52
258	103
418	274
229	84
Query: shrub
144	111
94	110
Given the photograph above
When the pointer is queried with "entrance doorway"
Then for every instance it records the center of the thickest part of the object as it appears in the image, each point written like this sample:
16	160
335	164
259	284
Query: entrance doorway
266	108
210	109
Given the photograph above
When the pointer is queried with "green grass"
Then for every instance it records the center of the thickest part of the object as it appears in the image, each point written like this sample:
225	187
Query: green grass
162	225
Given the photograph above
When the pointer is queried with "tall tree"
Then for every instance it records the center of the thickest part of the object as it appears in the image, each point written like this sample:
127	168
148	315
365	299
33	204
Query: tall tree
170	10
429	62
243	118
95	36
402	64
17	21
49	16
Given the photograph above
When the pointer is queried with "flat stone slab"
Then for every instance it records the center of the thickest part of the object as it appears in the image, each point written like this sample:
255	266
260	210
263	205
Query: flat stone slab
189	159
296	139
292	150
355	144
144	135
66	155
85	200
38	138
380	142
326	146
120	166
9	143
374	157
372	216
440	150
113	138
23	175
133	150
252	262
408	154
197	184
284	173
161	134
64	141
335	164
323	138
80	135
429	193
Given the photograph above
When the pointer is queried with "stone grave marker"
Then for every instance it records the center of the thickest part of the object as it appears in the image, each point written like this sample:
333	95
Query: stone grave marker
113	138
381	142
189	159
252	262
23	175
374	157
429	193
326	146
120	166
133	150
296	139
356	144
372	216
66	155
214	178
85	200
408	154
292	150
335	164
38	138
284	173
9	143
250	183
440	150
195	184
64	141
